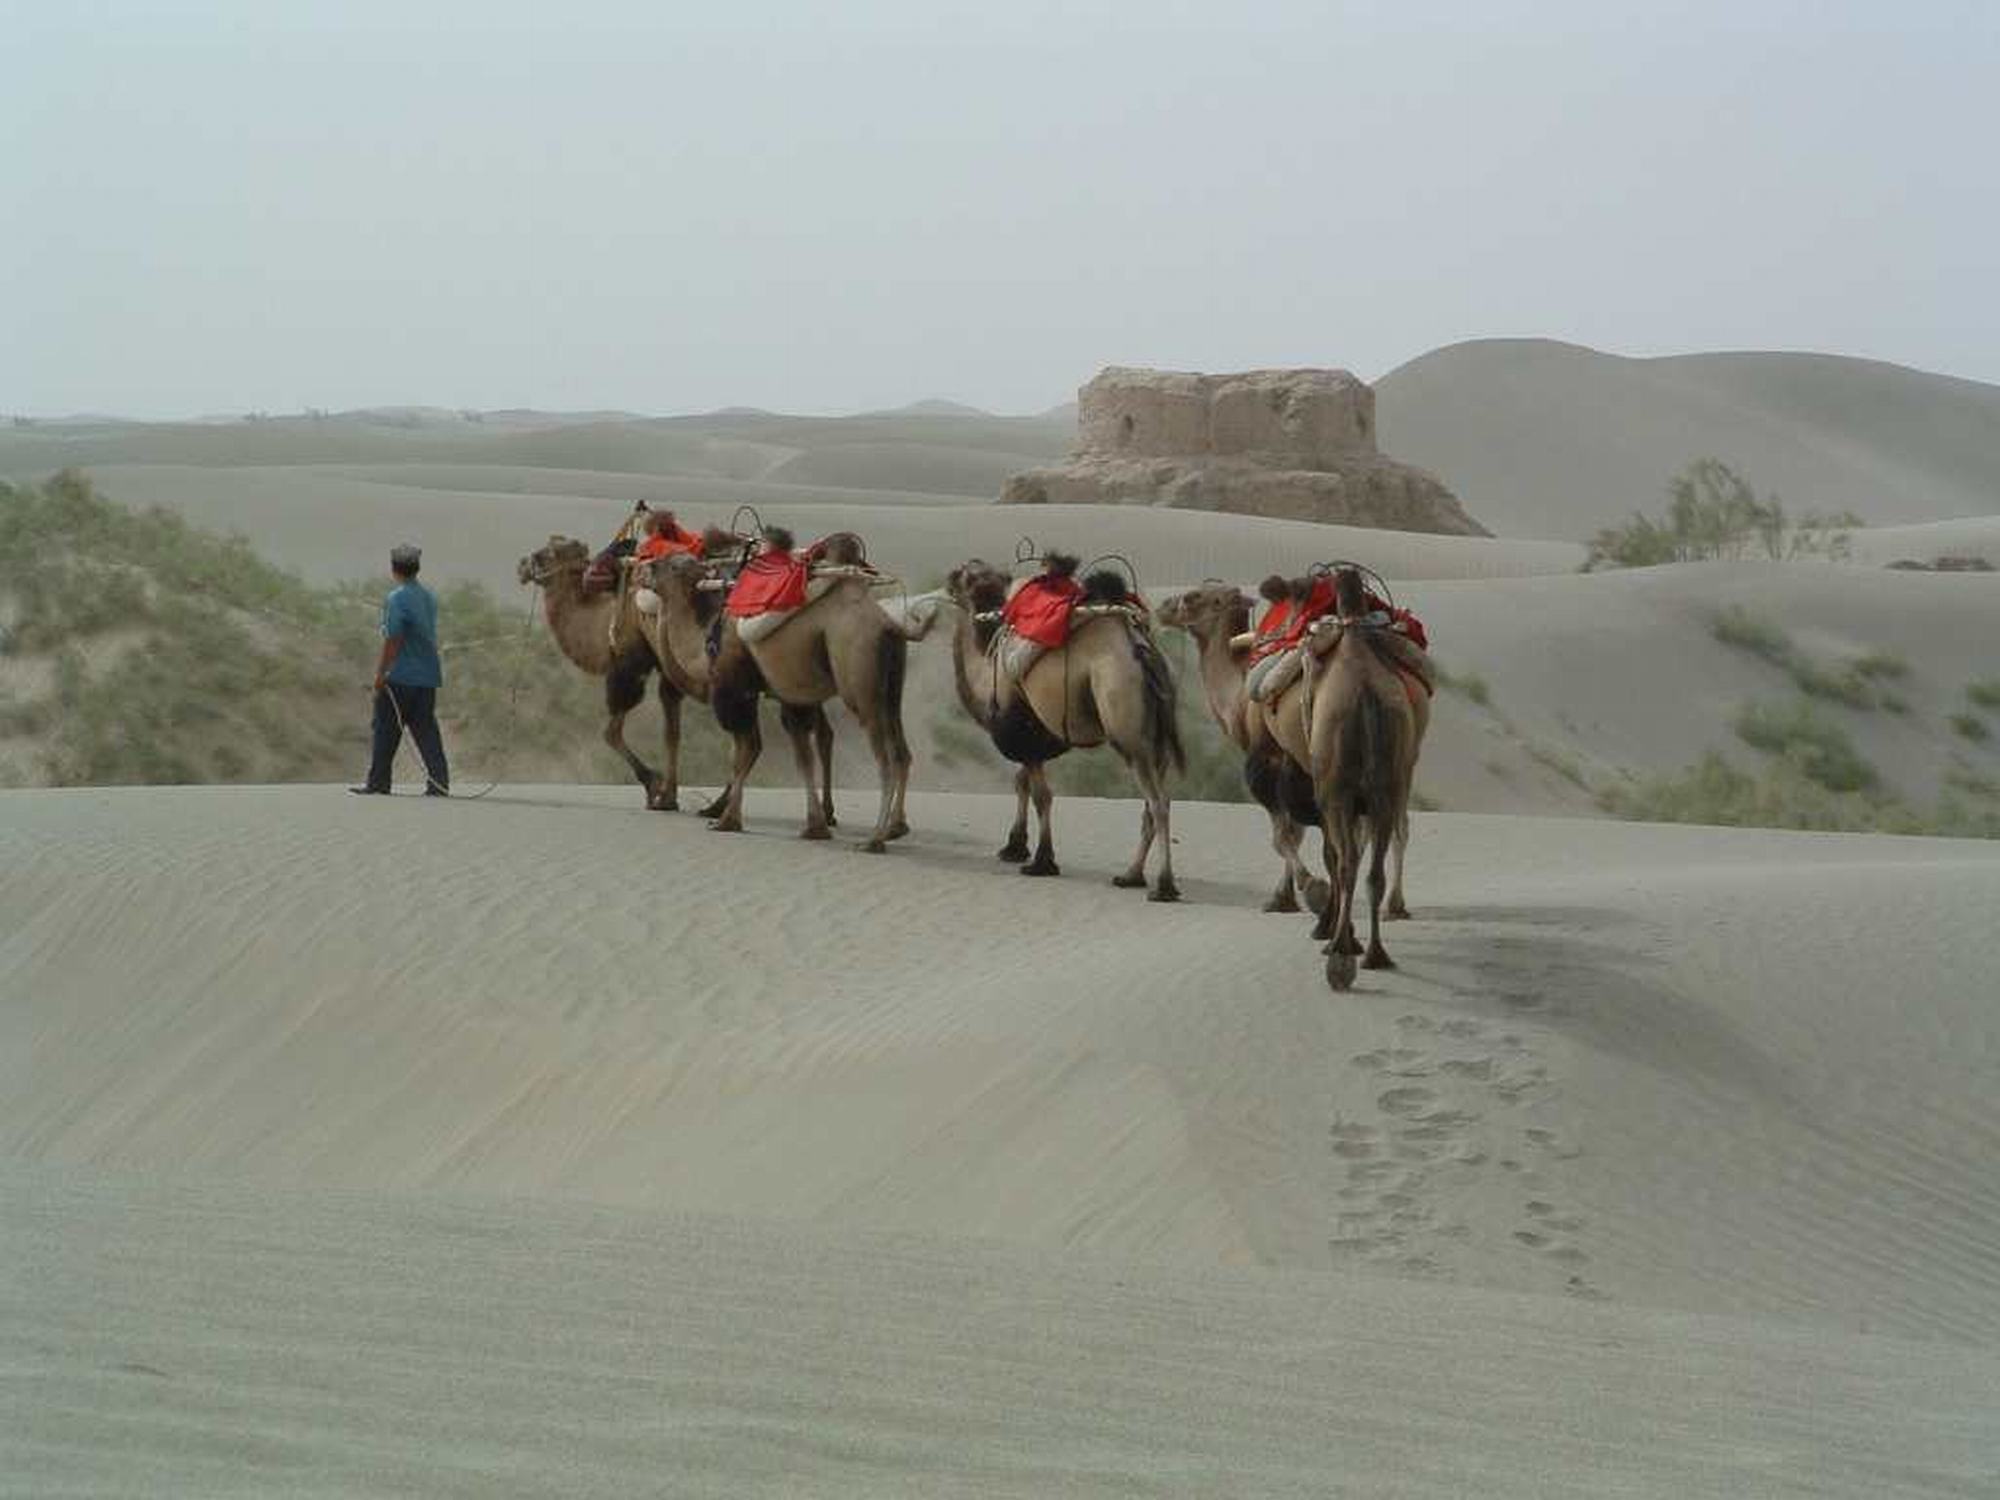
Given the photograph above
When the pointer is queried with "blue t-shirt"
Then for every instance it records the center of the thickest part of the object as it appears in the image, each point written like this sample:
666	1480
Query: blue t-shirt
410	614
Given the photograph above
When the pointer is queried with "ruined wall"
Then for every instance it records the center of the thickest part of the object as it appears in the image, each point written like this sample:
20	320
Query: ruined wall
1294	444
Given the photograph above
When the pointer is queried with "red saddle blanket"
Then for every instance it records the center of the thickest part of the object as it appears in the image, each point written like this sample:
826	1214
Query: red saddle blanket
776	580
1039	609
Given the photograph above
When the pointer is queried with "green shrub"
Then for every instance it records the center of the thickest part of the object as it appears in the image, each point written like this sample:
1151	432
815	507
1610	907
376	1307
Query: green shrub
1971	727
1984	692
1715	792
1878	664
1821	751
1713	513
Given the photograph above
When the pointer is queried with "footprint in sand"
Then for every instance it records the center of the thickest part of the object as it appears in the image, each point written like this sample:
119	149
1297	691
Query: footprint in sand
1480	1068
1405	1102
1463	1029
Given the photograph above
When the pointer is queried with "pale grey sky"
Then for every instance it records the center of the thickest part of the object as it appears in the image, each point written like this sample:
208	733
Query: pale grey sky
229	206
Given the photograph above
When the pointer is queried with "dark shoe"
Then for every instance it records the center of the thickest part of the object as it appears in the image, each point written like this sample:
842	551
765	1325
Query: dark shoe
437	791
369	791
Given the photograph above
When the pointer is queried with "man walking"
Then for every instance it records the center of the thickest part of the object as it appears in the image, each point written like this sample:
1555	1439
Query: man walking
407	677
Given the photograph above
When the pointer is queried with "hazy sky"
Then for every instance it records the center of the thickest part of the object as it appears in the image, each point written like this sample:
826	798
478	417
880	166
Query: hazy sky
220	207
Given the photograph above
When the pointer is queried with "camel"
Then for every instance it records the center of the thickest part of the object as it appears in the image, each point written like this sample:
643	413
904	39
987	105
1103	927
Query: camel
680	603
840	644
600	633
1363	739
1108	684
1215	615
1284	716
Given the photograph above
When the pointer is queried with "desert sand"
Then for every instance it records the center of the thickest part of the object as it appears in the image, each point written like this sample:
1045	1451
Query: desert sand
635	1157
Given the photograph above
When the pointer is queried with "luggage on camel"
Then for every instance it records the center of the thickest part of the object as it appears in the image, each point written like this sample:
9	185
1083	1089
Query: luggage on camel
777	582
1041	612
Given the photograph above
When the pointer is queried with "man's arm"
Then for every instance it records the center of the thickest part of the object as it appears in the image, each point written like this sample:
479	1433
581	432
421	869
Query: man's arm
390	647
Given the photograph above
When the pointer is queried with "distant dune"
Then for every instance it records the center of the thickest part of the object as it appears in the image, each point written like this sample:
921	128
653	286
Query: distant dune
1552	440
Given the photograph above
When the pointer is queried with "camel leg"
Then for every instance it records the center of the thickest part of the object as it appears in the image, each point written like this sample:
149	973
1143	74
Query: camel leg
1329	910
668	798
1044	862
1134	876
1397	909
899	764
1285	835
624	689
800	730
749	745
822	731
1165	887
1378	956
880	741
1015	850
1340	964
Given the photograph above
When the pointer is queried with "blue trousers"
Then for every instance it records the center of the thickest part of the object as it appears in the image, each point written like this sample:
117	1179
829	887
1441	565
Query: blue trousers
418	706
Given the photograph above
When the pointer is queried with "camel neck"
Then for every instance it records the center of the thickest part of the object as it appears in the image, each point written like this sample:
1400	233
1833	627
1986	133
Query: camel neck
578	622
971	669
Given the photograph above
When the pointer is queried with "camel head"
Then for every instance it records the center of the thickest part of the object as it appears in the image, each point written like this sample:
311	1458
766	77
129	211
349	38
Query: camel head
683	576
560	555
844	548
1350	593
976	586
1210	610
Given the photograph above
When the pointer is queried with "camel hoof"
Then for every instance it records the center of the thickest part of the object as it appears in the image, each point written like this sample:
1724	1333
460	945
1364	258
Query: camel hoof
1318	893
897	830
875	846
1340	971
1350	945
815	832
1166	890
1041	867
665	804
726	825
714	809
1378	958
1014	854
1396	911
1128	881
1286	902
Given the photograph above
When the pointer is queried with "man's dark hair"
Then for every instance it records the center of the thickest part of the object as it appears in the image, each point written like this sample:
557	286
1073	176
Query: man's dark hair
1059	564
780	539
1276	589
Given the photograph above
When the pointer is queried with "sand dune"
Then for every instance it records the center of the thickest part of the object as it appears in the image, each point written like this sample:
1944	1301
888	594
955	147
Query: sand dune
861	1173
1546	439
330	524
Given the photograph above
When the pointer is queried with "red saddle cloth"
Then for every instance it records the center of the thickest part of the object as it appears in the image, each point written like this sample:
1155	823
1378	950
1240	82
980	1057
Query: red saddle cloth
1039	609
772	580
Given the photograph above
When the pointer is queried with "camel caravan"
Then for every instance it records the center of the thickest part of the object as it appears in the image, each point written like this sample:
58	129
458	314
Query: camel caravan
1327	695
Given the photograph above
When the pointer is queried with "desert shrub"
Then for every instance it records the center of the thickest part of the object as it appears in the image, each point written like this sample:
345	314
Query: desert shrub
1715	792
1466	684
1984	692
1820	750
1852	684
1971	727
1879	664
1714	513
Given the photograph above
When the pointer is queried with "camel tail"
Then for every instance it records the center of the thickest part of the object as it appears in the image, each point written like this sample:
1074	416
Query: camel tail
1163	727
892	660
1368	757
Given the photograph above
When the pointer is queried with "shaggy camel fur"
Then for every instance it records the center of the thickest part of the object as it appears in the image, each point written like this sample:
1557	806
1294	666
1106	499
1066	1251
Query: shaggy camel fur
1108	684
600	633
680	601
1215	615
1364	739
